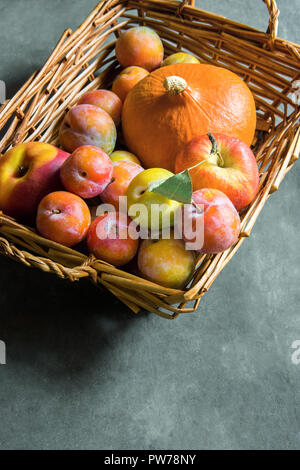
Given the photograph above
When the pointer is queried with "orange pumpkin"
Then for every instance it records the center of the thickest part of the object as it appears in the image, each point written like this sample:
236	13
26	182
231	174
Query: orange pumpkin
178	102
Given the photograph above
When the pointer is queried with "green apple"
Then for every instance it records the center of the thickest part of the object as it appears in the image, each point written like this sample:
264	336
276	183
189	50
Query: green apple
148	209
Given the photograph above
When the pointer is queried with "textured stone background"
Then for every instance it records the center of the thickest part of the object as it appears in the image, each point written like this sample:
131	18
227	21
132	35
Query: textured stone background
82	372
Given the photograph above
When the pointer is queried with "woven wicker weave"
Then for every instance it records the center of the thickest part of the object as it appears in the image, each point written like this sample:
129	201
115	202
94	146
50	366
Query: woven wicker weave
83	60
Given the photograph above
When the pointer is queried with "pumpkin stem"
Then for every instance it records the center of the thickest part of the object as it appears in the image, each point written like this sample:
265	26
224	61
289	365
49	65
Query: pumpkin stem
174	85
214	148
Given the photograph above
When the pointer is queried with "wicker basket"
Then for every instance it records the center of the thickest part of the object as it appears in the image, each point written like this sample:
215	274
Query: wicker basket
83	60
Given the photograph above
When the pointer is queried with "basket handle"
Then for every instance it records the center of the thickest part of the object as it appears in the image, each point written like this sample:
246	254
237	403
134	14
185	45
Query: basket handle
273	15
273	18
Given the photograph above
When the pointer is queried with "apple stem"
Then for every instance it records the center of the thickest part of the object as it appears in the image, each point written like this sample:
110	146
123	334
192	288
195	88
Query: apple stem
214	146
203	161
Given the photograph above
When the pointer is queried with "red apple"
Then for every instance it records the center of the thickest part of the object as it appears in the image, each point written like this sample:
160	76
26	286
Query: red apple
229	165
28	172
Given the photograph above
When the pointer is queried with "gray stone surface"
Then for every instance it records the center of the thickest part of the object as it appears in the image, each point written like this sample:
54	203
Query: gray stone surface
82	372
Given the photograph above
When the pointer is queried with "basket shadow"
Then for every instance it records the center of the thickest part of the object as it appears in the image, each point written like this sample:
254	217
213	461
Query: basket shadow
56	325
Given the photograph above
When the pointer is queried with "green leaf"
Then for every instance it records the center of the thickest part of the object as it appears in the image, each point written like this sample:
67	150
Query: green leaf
177	187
